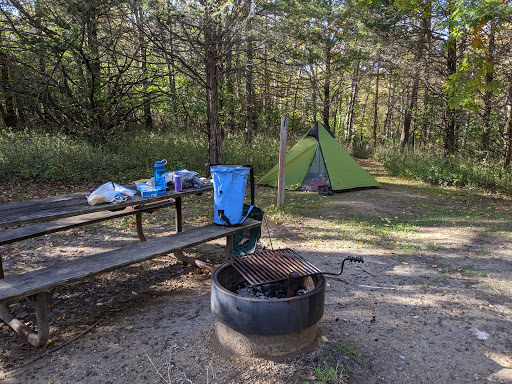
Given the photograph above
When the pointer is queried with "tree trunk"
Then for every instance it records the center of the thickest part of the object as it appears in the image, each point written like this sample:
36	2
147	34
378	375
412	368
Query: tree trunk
363	110
349	114
266	89
249	93
450	138
411	106
212	90
171	67
467	120
146	103
8	110
97	132
339	118
376	107
507	137
404	97
389	106
314	97
327	87
488	95
295	98
427	120
230	102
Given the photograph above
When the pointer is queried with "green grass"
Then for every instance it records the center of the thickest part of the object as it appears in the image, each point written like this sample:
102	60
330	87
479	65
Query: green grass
349	350
424	286
327	374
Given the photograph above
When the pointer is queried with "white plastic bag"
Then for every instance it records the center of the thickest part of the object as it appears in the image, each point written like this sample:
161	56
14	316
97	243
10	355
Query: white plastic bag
124	191
102	194
110	193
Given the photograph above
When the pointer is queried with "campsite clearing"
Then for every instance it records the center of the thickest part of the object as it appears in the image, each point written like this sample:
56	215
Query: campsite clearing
432	302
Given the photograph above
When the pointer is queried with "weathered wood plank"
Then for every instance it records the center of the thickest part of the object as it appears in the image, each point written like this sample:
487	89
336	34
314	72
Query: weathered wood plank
18	286
22	233
56	207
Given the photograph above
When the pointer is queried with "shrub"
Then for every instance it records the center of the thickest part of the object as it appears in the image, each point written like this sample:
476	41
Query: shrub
460	171
127	157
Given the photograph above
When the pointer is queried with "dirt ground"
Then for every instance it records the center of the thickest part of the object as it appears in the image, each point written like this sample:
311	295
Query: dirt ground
436	312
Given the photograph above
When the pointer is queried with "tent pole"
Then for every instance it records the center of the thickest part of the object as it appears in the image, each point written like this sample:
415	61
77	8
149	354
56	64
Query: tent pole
282	161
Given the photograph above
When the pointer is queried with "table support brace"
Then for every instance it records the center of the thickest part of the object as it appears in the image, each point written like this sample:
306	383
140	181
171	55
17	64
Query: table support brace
138	222
39	338
1	268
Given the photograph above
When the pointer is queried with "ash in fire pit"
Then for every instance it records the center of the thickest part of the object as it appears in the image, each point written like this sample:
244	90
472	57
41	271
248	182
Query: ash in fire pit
278	290
264	291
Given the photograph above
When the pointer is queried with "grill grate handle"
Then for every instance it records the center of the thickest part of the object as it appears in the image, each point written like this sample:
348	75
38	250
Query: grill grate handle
356	259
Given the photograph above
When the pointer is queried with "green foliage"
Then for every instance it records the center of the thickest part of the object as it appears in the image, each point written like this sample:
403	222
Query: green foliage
454	171
50	158
127	157
361	150
262	153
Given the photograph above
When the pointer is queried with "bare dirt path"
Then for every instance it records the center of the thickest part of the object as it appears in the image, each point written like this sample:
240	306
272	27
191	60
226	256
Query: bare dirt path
431	304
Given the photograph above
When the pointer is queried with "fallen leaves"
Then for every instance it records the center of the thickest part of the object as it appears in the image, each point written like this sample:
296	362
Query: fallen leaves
198	271
47	344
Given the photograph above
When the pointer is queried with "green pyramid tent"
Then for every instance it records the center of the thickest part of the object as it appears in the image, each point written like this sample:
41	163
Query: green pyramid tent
318	159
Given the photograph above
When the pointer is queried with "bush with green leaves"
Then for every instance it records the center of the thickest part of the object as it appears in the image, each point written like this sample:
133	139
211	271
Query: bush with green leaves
436	169
127	157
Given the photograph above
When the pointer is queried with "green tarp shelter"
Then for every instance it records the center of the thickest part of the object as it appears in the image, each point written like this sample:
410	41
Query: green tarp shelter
317	159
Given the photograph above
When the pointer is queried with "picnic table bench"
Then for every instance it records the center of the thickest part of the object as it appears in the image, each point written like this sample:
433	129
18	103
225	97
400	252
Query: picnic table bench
72	210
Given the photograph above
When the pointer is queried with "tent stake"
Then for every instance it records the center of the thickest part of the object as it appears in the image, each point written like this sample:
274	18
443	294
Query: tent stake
282	159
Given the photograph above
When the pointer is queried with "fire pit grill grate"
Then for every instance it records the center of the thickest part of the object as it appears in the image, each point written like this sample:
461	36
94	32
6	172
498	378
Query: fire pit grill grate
271	266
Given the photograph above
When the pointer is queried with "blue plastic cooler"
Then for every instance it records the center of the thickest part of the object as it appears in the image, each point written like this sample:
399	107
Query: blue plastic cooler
229	184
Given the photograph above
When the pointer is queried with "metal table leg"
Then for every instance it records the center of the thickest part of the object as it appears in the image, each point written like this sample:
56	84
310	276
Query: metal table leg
39	338
179	217
138	221
179	228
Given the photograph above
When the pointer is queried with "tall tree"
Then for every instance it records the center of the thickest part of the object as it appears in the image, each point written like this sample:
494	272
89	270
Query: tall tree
8	110
376	106
507	137
450	130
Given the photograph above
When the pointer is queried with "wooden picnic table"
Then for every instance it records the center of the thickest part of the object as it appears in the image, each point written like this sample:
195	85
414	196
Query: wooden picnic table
56	213
32	218
74	204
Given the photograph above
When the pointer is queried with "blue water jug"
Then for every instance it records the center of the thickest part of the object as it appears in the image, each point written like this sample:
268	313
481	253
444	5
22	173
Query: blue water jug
229	184
159	170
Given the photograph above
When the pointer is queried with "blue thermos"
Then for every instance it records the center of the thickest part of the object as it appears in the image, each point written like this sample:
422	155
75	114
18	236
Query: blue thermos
159	170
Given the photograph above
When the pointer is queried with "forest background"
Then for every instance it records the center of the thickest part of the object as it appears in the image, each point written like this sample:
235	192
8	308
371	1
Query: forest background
98	90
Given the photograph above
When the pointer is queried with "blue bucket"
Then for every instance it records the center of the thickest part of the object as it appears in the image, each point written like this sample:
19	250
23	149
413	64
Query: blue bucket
229	184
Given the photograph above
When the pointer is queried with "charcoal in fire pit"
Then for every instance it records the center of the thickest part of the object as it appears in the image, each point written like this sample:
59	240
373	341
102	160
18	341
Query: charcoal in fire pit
277	290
